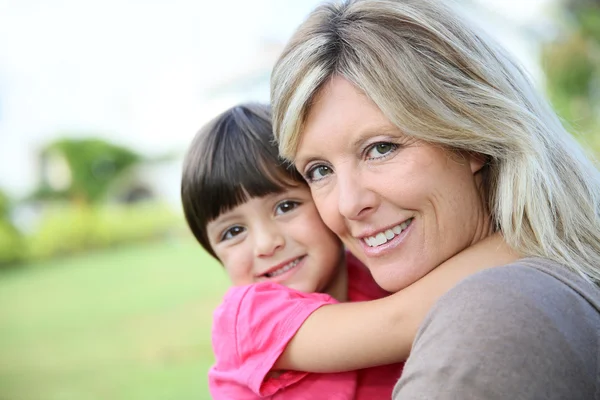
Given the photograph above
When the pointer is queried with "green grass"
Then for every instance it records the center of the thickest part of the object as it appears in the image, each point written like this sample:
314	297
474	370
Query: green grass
131	323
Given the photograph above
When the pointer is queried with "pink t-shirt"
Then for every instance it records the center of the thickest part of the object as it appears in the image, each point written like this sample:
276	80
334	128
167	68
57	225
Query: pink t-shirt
252	327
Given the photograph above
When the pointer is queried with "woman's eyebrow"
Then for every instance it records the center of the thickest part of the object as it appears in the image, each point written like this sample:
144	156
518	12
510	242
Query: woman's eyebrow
374	130
303	161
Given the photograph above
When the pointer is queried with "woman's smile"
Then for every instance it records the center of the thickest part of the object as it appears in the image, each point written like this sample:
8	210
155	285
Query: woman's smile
386	235
387	240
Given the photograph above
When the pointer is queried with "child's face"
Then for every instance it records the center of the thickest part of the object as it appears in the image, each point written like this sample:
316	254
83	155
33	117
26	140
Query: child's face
279	237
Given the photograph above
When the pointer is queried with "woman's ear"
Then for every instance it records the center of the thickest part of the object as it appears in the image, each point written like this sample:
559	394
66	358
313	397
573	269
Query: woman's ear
477	161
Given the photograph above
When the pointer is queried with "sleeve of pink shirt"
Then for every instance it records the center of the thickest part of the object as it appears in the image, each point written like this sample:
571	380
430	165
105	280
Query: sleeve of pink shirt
251	329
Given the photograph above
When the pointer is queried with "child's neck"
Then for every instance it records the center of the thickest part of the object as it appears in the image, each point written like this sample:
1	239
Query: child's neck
338	287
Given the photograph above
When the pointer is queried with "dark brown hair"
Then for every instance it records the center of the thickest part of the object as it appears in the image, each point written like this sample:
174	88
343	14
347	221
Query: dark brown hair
232	159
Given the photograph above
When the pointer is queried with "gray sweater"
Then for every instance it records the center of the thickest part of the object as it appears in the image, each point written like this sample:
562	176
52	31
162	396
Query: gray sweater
528	330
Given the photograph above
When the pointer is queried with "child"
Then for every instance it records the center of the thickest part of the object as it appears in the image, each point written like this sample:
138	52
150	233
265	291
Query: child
256	215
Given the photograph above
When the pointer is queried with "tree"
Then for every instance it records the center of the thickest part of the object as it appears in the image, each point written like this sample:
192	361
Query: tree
92	165
572	66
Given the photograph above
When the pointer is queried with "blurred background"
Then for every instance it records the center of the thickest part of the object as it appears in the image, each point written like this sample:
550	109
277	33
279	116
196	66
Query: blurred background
103	292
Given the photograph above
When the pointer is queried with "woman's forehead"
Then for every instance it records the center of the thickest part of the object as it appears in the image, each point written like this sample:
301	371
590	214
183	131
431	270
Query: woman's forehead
341	117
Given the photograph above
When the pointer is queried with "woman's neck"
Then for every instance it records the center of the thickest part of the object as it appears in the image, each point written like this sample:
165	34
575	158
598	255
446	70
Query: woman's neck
492	251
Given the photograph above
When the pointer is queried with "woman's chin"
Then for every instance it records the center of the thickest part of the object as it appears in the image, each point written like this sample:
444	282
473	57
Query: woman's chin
394	277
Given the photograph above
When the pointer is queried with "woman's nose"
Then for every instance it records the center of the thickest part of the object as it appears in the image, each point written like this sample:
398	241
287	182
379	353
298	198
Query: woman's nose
355	199
268	239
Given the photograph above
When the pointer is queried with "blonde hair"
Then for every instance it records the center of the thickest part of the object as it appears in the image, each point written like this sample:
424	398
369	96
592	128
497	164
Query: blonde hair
439	80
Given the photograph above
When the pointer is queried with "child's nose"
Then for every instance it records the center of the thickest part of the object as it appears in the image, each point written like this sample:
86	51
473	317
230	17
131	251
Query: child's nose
268	241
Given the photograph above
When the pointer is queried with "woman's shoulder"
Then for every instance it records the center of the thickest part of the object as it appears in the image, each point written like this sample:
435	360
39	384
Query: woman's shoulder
529	289
527	326
531	280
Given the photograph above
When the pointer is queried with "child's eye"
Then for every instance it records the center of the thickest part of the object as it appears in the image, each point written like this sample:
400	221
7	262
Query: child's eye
286	206
380	149
318	172
232	232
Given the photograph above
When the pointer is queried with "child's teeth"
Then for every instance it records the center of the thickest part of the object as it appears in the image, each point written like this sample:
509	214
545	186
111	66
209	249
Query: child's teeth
283	269
389	234
397	229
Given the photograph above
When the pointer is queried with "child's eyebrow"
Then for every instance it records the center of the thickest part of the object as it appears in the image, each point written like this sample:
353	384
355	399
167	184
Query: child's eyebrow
291	193
224	219
274	195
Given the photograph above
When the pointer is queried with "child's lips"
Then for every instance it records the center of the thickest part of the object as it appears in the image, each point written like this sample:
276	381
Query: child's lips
282	268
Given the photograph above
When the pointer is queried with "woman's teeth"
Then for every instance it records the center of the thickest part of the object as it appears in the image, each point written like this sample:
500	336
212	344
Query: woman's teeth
283	269
383	237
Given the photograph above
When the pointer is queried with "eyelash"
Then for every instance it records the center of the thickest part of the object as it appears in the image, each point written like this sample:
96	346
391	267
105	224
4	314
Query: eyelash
230	230
295	204
393	148
308	176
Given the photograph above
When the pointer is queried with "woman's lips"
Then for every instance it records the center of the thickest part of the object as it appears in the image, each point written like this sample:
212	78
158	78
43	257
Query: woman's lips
377	245
387	234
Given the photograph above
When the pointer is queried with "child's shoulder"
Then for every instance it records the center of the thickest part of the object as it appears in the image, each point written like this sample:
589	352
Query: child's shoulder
263	294
266	303
260	318
361	285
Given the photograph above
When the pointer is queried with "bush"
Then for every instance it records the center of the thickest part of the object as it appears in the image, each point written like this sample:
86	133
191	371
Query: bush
11	241
65	229
12	247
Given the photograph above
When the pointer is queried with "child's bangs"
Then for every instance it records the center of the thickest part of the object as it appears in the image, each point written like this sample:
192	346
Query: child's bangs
242	171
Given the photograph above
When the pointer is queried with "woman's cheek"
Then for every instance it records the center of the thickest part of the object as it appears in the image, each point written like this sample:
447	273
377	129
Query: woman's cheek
327	209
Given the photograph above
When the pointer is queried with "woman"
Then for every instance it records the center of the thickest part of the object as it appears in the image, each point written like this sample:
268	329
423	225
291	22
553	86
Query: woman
399	114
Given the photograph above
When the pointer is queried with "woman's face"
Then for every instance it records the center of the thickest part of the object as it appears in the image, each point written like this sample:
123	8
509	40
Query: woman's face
400	205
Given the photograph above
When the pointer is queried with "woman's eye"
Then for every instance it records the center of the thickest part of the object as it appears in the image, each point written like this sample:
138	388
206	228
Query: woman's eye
232	232
380	149
318	172
286	206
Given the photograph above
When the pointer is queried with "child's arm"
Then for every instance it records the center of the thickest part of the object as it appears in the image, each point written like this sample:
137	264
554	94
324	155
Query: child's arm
349	336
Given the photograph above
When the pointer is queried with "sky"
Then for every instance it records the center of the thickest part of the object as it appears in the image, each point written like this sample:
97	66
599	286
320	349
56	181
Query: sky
149	73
